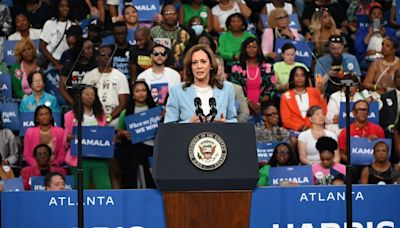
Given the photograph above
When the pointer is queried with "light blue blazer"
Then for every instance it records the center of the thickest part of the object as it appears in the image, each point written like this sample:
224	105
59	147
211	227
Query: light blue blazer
180	105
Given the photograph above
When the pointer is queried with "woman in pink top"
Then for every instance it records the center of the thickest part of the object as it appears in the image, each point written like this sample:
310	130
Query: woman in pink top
254	75
327	171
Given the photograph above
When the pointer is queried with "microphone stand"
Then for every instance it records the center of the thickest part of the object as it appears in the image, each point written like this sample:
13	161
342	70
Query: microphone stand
78	89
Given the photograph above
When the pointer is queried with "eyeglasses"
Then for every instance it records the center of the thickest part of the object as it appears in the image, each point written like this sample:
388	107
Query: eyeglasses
282	17
159	53
361	110
286	152
271	114
166	13
321	9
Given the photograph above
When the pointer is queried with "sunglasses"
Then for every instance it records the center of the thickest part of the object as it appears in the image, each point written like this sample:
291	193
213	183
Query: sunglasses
336	39
159	53
321	9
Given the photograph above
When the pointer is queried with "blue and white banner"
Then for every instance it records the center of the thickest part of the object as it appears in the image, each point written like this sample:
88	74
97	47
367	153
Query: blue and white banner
303	52
301	175
13	185
294	21
109	40
265	150
52	85
9	46
362	21
37	183
144	125
27	121
96	141
373	115
362	150
5	85
146	8
374	206
10	115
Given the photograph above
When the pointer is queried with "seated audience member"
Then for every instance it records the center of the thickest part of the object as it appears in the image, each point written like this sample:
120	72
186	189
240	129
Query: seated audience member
36	81
278	28
95	31
282	68
192	9
307	139
296	102
9	146
136	154
327	170
380	73
42	167
54	181
322	27
97	171
5	27
242	108
224	9
332	116
288	7
130	17
283	155
25	56
44	132
396	141
332	67
269	130
24	30
338	9
361	127
196	23
380	170
74	36
206	39
255	75
81	10
37	11
231	40
389	113
368	43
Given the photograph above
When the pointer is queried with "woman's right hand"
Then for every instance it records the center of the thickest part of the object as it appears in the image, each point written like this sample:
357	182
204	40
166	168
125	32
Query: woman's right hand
254	108
195	119
123	134
273	55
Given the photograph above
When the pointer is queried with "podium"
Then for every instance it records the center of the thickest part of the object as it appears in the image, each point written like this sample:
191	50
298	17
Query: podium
206	173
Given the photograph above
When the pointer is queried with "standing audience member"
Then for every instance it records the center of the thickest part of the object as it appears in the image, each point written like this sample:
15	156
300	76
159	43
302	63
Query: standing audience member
389	113
95	31
42	166
167	33
190	9
307	140
138	153
53	39
131	19
24	30
25	56
288	7
37	11
200	68
87	9
255	75
36	81
9	146
5	27
120	59
44	132
269	130
139	55
224	9
231	40
96	170
380	170
54	181
327	170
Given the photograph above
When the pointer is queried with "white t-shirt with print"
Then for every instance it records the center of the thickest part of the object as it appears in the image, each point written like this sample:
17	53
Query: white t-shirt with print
52	32
169	76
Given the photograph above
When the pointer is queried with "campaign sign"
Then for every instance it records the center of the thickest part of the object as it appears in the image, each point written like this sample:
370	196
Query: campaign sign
362	150
5	85
10	115
294	21
303	52
27	121
159	92
374	206
362	21
265	150
373	115
8	3
52	85
146	9
37	183
144	125
9	46
297	174
13	185
130	38
96	141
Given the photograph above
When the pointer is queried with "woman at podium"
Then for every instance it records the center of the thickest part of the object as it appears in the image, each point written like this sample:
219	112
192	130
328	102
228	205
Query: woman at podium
201	97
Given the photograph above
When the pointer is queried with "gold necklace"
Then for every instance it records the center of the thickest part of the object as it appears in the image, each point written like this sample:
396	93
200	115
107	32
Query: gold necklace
390	64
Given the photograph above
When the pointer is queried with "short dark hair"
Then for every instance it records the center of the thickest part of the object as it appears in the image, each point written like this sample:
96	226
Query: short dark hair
325	143
30	77
292	73
359	101
37	112
288	46
119	24
312	110
228	21
159	45
48	178
35	150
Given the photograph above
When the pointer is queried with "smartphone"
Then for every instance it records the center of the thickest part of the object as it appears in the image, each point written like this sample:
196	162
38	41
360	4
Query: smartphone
376	23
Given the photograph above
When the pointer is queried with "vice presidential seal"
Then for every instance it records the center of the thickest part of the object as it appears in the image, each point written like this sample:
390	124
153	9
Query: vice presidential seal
207	151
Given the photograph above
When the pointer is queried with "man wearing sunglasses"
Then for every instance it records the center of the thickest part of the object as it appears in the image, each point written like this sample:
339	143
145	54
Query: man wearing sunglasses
159	76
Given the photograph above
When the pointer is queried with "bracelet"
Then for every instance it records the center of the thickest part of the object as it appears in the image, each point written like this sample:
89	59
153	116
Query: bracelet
375	87
109	118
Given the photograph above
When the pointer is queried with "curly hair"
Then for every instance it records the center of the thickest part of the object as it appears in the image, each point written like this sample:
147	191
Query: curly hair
20	46
326	144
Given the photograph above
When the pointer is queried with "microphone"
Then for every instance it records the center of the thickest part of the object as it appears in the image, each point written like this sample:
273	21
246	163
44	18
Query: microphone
199	110
213	110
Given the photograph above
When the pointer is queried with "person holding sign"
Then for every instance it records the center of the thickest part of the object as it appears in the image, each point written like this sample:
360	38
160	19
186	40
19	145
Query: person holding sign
44	132
200	82
380	170
278	22
138	153
97	171
327	170
43	166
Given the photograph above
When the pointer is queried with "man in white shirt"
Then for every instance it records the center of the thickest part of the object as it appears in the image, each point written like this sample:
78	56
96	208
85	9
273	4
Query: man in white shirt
112	85
159	77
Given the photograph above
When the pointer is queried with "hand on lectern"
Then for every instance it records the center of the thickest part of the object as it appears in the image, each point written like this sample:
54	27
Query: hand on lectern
195	119
221	119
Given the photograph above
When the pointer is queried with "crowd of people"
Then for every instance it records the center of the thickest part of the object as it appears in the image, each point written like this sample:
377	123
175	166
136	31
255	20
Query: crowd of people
226	49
